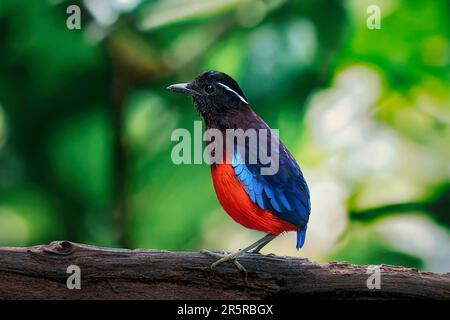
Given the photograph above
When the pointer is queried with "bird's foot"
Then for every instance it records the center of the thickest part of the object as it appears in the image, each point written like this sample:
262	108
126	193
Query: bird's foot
225	257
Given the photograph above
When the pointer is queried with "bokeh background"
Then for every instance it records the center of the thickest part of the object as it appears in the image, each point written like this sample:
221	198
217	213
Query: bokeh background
85	122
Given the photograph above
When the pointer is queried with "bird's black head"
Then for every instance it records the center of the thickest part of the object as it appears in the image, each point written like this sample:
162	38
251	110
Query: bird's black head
216	96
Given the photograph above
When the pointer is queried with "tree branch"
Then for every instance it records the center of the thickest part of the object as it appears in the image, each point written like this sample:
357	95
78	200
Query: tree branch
40	272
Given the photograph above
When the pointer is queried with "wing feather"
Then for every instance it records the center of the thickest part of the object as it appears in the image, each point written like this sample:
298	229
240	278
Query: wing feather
284	193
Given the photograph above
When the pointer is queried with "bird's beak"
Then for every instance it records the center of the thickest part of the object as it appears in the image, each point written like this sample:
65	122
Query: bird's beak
182	88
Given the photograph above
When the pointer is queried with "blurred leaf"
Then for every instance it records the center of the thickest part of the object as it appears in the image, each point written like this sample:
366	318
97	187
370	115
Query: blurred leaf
161	13
366	248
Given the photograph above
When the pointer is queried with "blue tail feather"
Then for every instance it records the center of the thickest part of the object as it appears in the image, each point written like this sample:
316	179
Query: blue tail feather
301	235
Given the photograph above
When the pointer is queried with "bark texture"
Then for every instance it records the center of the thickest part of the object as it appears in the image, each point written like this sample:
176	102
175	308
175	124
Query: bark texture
40	272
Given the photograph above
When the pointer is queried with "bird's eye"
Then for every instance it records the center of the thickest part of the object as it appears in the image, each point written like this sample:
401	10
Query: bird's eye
209	89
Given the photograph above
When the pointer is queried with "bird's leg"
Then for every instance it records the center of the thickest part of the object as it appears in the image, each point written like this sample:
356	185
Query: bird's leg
232	257
263	244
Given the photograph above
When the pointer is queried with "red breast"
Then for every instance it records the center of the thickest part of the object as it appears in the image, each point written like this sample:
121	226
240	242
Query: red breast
234	199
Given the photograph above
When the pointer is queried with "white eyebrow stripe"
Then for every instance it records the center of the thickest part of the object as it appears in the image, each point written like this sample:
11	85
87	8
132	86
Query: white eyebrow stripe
229	89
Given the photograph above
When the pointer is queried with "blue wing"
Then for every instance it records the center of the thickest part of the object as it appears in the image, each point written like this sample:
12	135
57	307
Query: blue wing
284	193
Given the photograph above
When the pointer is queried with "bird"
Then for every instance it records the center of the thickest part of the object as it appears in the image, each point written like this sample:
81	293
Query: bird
271	203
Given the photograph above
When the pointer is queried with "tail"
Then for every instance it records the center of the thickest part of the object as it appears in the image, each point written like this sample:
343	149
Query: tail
301	235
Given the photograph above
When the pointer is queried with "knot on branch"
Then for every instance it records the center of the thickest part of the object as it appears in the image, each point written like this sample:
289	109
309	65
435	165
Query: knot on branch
63	248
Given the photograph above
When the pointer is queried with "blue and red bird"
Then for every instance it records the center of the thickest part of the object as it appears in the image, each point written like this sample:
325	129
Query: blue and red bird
271	203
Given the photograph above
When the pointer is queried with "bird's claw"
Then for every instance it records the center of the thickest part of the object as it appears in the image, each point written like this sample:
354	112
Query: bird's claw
225	257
